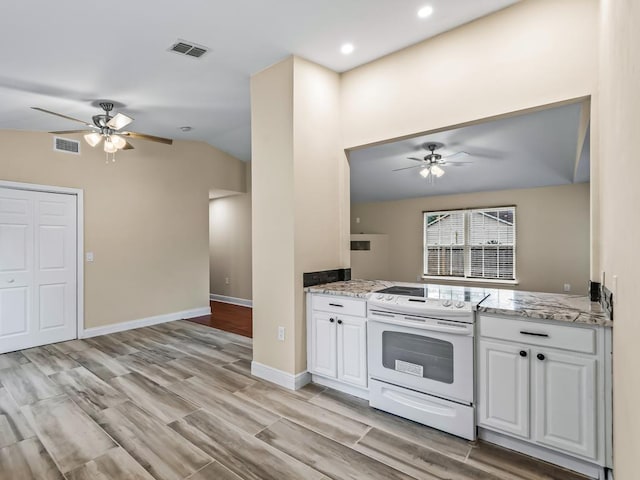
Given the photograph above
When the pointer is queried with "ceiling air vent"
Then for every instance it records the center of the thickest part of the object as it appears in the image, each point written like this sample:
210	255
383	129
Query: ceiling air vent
188	48
65	145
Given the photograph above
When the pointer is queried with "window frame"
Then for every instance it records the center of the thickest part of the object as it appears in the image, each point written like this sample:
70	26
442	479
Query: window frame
467	212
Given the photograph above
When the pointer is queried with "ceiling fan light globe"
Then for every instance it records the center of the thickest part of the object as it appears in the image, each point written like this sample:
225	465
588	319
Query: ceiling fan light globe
437	171
93	138
425	172
119	121
109	147
118	141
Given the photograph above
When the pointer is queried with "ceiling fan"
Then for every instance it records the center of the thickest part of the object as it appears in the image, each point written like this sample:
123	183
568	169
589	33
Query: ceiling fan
107	128
431	164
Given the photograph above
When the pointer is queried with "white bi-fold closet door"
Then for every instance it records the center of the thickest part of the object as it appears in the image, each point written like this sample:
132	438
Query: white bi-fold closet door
38	274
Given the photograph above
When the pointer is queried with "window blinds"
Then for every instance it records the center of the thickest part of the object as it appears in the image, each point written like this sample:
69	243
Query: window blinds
492	241
477	243
444	237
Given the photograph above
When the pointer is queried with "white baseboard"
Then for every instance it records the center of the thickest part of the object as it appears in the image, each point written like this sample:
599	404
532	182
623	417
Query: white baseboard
284	379
232	300
145	322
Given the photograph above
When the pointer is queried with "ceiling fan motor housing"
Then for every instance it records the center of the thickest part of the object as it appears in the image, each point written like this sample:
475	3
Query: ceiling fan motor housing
101	121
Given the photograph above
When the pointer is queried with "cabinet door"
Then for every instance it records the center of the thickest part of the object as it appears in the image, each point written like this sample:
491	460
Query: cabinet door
503	388
565	408
352	350
323	344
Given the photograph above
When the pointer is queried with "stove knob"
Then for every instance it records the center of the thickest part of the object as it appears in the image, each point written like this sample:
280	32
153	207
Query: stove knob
380	297
446	303
389	297
459	304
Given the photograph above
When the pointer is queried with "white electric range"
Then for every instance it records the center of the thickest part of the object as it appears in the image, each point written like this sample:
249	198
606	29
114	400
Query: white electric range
421	354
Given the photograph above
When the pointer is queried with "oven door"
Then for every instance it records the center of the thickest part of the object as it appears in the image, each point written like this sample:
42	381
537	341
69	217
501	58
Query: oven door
427	355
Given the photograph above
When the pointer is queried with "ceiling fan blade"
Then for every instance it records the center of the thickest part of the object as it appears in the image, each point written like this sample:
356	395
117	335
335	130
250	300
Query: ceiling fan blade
61	115
407	168
63	132
416	159
458	154
128	146
152	138
119	121
457	164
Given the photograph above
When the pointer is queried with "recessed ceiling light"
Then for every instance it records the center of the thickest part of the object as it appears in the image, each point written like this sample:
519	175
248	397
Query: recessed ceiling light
425	11
347	48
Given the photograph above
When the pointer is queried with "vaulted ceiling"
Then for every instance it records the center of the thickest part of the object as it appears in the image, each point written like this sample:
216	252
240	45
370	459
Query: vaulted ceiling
536	149
63	56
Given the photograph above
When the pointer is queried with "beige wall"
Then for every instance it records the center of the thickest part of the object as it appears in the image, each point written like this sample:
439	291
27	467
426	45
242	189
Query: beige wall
273	207
533	53
620	222
146	219
230	242
552	228
230	246
300	200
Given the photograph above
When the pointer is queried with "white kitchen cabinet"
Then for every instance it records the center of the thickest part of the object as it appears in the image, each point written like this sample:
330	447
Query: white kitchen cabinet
324	359
565	406
352	350
543	388
337	342
503	389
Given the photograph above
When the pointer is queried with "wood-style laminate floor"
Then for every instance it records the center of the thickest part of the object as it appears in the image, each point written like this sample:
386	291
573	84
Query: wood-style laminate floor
228	317
177	401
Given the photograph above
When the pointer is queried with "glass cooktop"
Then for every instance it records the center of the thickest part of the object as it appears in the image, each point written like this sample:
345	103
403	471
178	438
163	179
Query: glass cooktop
441	292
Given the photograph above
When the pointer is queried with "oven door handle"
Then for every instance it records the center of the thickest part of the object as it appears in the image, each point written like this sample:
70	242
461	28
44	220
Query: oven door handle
442	327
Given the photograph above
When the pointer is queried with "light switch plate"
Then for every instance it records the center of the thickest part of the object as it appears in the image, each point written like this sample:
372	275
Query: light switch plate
89	256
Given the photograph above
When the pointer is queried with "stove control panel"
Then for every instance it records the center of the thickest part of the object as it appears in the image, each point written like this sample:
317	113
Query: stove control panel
419	302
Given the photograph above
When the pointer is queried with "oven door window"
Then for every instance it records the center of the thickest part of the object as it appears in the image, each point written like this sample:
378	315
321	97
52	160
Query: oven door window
418	355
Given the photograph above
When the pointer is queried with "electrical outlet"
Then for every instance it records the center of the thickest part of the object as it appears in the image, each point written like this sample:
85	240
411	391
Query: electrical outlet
281	334
567	287
89	256
226	280
357	219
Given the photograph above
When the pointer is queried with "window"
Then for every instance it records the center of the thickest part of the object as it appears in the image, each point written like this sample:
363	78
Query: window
479	243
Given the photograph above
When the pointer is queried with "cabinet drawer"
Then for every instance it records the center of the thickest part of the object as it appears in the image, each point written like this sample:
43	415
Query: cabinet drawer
577	339
336	304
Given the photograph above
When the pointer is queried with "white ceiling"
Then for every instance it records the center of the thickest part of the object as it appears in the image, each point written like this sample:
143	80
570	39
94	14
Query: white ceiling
530	150
63	56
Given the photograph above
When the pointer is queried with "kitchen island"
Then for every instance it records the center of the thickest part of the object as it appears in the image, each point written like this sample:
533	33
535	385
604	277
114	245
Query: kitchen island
540	363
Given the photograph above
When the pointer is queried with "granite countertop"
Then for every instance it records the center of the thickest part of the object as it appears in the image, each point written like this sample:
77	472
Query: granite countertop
546	306
350	288
516	303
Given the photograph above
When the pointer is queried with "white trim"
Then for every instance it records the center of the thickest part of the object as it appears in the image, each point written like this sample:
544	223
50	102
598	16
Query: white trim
341	386
145	322
470	280
79	193
232	300
284	379
581	466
